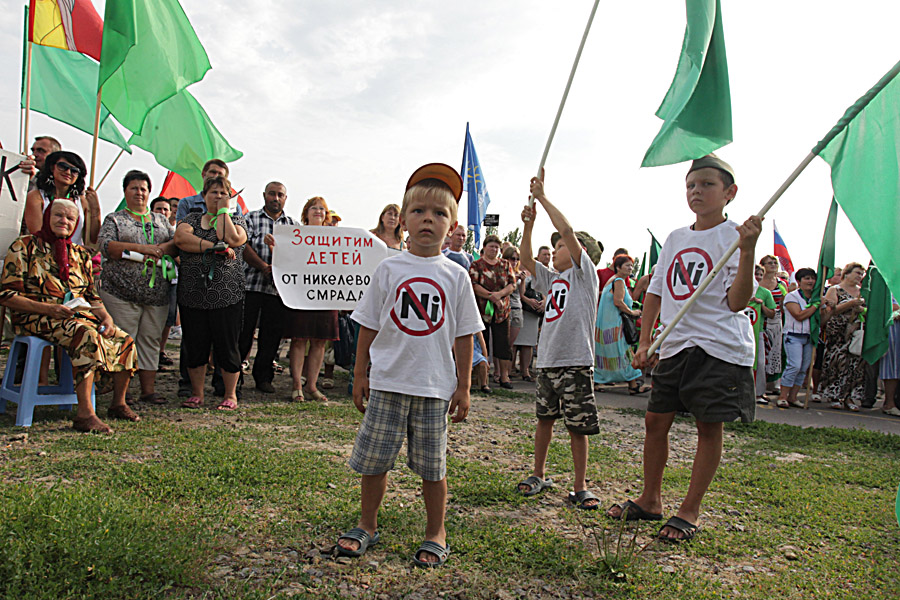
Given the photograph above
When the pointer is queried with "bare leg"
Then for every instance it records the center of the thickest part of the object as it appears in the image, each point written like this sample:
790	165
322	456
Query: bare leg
504	370
890	389
83	393
579	445
542	436
373	488
656	454
44	374
525	355
120	387
198	378
148	382
164	339
314	363
230	380
706	461
435	494
297	356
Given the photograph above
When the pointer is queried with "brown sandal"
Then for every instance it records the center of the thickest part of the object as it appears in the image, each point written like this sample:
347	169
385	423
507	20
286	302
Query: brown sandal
123	413
91	424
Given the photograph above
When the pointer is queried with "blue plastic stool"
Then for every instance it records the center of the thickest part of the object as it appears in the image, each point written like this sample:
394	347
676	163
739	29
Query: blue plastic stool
28	394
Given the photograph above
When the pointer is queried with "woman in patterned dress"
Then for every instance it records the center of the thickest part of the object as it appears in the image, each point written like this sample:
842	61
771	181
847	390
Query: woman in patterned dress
844	375
774	326
211	290
41	273
137	293
889	370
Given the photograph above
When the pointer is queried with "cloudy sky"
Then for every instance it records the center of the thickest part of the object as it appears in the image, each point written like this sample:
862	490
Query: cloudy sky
344	99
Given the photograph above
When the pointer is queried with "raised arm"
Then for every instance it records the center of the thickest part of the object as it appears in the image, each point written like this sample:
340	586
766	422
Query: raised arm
559	221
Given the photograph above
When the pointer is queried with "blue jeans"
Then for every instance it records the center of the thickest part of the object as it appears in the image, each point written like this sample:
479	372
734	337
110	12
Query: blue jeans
798	349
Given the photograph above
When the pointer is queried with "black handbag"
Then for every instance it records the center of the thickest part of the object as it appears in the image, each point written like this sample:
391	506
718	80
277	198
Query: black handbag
532	293
629	329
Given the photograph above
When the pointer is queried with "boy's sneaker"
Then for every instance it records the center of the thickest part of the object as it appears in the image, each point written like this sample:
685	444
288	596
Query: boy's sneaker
762	400
175	332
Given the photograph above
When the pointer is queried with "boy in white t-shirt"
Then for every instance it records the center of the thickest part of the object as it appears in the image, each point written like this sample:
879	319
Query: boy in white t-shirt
419	308
705	364
565	364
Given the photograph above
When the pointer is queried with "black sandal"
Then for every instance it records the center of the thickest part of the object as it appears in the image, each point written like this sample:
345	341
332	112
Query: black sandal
677	523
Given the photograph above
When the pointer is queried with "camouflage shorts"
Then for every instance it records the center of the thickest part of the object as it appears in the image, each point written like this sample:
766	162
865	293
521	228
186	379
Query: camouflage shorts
568	392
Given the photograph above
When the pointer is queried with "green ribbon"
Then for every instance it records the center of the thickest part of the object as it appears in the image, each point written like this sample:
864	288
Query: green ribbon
215	216
167	274
144	225
489	309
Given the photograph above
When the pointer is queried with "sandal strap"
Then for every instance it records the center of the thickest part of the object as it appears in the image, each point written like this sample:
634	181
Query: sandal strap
434	548
357	534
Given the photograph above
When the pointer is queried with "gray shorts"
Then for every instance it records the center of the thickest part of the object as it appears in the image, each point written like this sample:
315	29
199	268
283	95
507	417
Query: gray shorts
712	390
568	392
390	418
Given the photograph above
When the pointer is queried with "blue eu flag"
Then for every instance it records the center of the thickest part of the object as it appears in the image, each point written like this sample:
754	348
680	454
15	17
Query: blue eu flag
473	182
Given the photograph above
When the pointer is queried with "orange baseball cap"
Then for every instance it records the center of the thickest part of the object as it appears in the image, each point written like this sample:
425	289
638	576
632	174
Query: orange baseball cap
441	172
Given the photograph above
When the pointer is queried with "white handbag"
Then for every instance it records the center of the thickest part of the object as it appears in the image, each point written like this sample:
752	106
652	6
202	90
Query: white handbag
856	342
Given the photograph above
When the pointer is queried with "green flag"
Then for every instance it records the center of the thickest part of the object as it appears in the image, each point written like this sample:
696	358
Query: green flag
697	107
643	270
824	270
655	248
64	87
865	172
878	315
150	53
181	136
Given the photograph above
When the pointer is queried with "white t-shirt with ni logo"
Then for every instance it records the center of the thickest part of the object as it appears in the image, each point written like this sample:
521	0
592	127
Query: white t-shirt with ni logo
685	260
418	306
570	313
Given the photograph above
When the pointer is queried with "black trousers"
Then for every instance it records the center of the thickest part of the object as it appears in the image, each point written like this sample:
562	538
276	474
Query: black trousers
218	328
269	312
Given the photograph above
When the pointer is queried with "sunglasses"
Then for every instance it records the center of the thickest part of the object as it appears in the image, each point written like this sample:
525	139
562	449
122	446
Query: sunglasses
64	167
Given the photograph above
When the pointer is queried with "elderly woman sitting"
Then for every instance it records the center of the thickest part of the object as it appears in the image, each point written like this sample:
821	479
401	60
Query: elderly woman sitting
41	273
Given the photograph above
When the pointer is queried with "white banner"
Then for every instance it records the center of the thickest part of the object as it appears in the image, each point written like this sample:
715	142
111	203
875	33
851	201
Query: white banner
319	268
13	187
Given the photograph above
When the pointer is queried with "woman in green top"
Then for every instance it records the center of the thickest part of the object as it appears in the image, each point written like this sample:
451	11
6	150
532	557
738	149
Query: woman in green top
761	307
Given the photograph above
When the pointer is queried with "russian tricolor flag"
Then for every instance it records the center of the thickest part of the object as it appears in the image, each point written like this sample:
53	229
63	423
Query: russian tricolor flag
782	254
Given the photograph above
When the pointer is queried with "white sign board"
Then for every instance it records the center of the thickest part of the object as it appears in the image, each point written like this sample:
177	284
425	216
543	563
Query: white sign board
13	187
324	268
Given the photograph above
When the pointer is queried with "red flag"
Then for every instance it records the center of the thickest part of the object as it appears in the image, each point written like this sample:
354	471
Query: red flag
66	24
176	186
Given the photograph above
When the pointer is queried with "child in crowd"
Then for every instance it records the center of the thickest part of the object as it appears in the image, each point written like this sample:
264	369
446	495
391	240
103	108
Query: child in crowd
705	364
418	308
565	363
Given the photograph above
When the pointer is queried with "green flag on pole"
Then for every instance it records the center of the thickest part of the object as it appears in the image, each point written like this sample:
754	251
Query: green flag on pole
64	87
878	315
655	248
865	172
181	136
643	270
697	107
824	270
150	53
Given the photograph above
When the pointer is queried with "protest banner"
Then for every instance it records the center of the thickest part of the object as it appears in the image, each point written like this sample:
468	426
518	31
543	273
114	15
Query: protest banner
13	187
324	268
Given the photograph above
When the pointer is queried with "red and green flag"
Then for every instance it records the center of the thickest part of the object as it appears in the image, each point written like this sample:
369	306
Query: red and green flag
150	53
697	108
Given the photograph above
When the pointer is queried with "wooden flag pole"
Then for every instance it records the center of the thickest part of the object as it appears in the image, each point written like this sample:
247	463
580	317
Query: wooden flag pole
562	103
27	101
87	211
102	179
842	123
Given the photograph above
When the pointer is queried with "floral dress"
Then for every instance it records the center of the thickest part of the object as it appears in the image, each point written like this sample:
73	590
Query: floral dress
844	375
612	354
30	271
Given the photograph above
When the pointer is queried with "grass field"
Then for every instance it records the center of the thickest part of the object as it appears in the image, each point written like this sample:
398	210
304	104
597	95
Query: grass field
248	505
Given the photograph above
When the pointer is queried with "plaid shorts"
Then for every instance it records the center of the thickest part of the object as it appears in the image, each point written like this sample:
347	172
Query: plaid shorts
568	392
389	418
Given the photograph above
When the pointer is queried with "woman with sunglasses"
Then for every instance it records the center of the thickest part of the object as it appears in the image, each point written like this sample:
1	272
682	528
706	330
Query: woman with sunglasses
62	176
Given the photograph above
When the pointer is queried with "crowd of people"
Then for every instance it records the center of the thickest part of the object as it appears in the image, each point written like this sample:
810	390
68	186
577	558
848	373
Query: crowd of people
551	317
